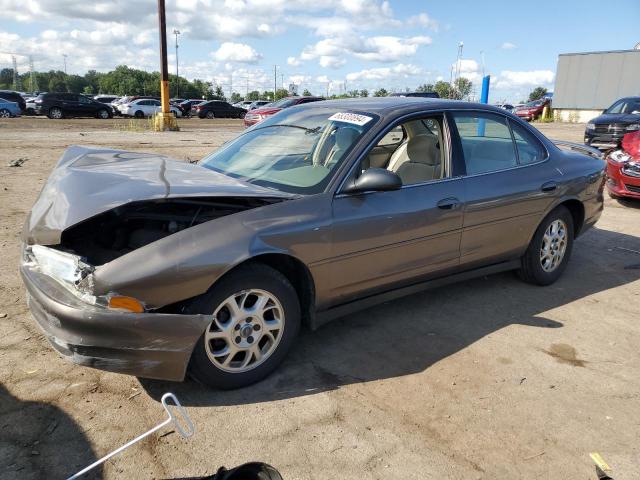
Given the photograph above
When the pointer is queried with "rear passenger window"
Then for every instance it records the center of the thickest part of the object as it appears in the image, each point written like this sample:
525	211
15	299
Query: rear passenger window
529	148
486	142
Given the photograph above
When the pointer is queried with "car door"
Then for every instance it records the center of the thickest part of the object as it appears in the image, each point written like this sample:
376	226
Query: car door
86	107
154	107
70	104
507	186
382	239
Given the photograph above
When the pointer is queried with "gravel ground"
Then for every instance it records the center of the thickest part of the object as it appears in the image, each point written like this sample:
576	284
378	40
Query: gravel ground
490	378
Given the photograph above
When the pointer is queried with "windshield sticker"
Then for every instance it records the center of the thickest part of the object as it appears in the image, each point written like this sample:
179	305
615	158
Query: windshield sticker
353	118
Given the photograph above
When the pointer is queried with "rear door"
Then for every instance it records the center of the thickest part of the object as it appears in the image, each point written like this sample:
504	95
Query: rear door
508	185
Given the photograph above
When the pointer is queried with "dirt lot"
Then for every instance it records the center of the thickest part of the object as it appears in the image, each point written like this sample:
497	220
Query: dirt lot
488	379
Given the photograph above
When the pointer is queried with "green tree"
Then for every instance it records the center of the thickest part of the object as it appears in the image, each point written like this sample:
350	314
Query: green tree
462	88
364	93
253	95
6	78
306	93
281	93
443	89
537	93
426	87
235	97
57	84
380	93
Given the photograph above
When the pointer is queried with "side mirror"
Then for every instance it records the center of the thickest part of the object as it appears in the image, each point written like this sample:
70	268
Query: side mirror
374	180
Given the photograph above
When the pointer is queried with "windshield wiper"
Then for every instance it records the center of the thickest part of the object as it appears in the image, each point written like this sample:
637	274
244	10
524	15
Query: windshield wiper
311	131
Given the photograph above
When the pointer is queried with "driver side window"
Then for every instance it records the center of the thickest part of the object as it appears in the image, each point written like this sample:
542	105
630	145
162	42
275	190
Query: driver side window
414	150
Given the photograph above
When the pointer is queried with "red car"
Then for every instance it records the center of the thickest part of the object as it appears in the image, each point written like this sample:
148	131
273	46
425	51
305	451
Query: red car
532	110
257	115
623	168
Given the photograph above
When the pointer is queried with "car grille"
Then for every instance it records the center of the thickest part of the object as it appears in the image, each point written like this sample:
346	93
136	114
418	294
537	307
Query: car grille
633	188
631	169
610	128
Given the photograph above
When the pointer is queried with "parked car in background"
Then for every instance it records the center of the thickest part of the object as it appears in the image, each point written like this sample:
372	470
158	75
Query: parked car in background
258	104
243	104
14	96
60	105
606	131
106	98
322	210
30	106
623	168
187	105
415	94
532	110
259	114
144	107
9	108
217	109
505	106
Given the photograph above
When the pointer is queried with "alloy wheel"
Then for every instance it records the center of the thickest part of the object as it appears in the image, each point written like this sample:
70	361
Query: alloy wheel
246	329
554	245
4	113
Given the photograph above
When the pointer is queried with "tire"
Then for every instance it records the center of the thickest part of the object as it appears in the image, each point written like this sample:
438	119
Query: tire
55	113
241	115
4	113
139	114
546	270
102	114
210	115
280	321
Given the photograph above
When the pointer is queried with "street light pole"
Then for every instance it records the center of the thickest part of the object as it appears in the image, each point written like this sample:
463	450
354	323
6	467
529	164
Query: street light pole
64	56
165	119
176	32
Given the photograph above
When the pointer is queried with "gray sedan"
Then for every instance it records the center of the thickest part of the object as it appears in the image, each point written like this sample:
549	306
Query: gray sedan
140	264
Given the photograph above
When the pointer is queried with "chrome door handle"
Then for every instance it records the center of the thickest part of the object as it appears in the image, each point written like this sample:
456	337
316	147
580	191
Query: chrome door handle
549	186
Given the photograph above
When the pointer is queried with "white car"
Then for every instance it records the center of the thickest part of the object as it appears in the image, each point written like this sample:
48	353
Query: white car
144	107
243	104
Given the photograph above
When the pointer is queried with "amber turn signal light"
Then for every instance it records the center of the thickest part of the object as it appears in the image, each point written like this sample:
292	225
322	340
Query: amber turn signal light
126	303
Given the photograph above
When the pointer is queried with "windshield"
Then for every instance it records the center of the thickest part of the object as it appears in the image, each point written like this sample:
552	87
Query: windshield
629	105
295	151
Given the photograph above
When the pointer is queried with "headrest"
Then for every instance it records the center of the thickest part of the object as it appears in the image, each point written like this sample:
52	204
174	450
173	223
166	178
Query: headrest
424	149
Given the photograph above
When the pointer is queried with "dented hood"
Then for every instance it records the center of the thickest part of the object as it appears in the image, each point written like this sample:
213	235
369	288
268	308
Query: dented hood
87	181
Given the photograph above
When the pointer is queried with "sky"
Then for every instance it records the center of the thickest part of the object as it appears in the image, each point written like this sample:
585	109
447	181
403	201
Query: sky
321	45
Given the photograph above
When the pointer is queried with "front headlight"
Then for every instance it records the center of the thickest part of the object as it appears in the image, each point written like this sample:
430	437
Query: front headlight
633	127
619	156
591	126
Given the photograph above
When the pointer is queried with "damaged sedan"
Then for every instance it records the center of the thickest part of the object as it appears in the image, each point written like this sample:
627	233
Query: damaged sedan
139	264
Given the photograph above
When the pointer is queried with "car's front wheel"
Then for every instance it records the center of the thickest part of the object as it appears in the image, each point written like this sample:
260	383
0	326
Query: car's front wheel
210	115
255	320
55	113
4	113
103	114
549	251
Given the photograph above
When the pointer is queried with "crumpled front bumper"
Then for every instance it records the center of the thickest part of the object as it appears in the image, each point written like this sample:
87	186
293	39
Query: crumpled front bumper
151	345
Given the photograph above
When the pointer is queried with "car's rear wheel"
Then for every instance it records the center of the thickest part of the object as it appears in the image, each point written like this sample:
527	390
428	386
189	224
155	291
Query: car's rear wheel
139	114
55	113
210	115
241	114
549	251
103	114
255	320
4	113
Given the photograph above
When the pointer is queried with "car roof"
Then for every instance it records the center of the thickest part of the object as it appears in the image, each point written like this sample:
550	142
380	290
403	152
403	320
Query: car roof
392	106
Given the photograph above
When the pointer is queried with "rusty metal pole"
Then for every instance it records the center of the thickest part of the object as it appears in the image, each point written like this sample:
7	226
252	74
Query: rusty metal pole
164	76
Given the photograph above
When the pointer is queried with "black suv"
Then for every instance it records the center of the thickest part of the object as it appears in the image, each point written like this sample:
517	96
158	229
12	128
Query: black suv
12	96
59	105
606	131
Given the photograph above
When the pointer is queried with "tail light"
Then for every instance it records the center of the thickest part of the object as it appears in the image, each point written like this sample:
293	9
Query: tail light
631	144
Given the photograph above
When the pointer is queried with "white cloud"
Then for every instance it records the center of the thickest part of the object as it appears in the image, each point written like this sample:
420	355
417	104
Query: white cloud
333	52
236	52
509	79
467	68
508	46
386	73
423	20
293	61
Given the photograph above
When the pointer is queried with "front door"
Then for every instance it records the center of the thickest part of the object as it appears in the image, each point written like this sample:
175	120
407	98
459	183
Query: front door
384	239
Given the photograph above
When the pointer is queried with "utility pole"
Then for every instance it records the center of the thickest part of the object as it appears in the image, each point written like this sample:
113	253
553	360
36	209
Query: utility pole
64	56
275	81
165	119
15	73
32	76
230	85
176	32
